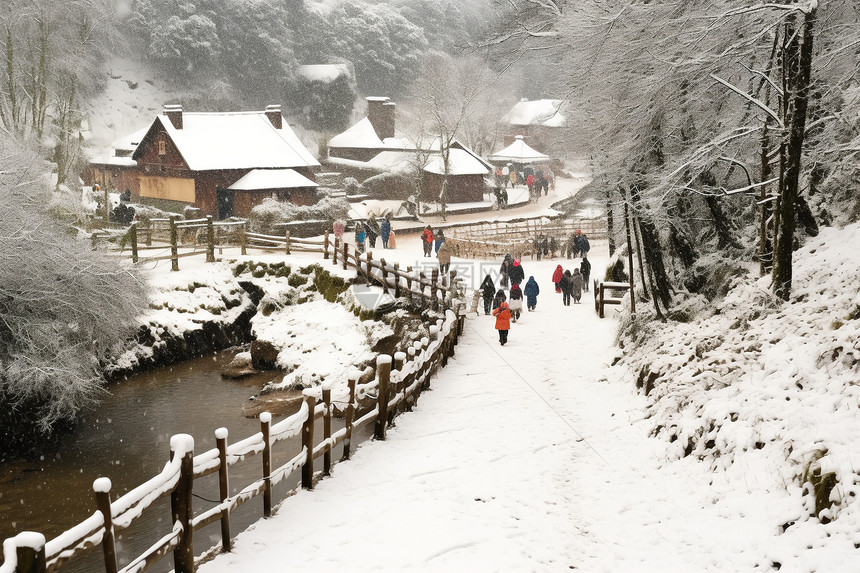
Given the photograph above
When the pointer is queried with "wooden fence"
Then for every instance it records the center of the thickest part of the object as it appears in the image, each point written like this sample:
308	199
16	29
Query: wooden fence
391	388
495	239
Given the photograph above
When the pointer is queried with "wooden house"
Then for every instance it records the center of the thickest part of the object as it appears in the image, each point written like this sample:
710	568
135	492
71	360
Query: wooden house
221	163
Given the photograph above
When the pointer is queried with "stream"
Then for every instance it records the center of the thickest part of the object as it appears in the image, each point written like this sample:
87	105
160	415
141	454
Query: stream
126	438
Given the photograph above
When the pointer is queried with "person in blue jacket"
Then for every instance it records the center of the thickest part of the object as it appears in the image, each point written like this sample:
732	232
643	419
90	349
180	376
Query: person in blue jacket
531	291
385	231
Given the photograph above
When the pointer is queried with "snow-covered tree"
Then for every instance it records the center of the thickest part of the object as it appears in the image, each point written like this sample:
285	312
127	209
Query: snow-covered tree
63	307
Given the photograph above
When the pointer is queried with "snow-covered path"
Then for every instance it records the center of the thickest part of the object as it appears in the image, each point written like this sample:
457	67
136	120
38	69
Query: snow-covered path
523	458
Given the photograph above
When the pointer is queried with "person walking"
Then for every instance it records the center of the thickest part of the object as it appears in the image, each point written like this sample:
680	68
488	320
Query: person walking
576	284
556	277
503	321
531	291
392	240
566	285
516	273
339	227
360	236
443	253
427	240
385	232
499	298
439	239
504	271
516	302
371	228
585	271
488	290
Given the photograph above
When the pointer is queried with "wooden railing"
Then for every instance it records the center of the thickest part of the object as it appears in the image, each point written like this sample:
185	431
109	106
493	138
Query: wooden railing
375	396
602	297
495	239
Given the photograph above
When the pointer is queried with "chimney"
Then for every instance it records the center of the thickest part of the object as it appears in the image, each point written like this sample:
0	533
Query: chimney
273	112
380	112
174	114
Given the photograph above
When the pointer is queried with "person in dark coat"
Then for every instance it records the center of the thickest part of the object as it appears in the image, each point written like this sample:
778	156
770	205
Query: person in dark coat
553	247
566	286
531	291
439	239
515	304
516	273
571	246
504	270
503	321
488	290
556	277
385	231
540	246
585	271
576	286
581	244
371	228
499	298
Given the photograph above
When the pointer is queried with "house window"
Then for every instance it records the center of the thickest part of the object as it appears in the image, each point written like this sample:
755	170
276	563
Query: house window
162	147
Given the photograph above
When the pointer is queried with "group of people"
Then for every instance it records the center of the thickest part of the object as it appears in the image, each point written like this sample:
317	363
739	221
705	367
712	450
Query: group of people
367	232
508	308
571	284
537	180
577	245
435	242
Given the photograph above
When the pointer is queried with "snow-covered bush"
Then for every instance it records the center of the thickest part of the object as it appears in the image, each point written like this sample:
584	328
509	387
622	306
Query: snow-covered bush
270	212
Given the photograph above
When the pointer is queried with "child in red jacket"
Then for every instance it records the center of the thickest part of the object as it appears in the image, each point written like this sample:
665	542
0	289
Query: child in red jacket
503	321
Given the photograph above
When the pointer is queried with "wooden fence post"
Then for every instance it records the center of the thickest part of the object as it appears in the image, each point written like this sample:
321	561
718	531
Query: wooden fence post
265	426
101	487
334	251
425	343
132	238
409	280
369	256
325	245
180	503
384	276
411	353
287	240
224	487
349	416
243	240
434	279
326	395
210	239
399	361
345	254
30	550
396	280
174	246
308	443
383	373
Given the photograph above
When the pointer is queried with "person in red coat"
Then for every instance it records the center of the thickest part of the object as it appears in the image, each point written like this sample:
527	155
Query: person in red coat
503	321
427	239
556	277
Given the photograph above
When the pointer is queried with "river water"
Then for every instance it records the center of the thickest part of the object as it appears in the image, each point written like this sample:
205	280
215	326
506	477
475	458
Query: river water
126	438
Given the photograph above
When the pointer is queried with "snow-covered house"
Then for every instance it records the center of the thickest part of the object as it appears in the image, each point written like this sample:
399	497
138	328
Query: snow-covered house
222	163
539	122
371	147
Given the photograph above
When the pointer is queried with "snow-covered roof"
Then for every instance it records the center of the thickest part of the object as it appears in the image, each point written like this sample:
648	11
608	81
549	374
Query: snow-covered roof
544	112
363	136
460	162
128	144
235	140
323	72
518	151
257	179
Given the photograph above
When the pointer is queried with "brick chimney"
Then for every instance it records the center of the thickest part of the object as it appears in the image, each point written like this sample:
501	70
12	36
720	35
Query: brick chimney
380	112
174	114
273	112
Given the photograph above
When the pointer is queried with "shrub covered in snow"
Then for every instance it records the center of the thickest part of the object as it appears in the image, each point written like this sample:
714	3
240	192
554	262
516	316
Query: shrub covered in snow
270	212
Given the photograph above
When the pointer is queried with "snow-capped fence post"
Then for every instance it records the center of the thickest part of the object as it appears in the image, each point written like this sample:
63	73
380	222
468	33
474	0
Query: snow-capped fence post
434	280
425	344
399	361
210	239
223	487
265	427
409	280
349	416
287	241
308	442
369	256
243	240
383	376
384	276
408	401
334	250
325	245
174	246
30	552
180	502
326	396
101	487
132	239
